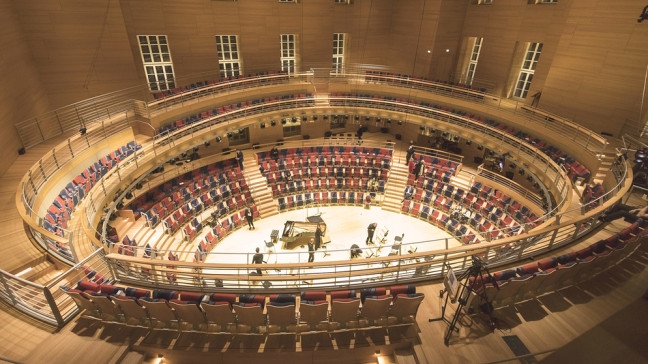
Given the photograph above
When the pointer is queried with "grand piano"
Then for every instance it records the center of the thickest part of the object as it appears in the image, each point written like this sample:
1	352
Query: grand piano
299	233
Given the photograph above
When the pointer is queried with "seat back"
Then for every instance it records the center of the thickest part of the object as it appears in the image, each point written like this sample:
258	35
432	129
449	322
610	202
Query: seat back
188	312
281	317
374	309
219	313
250	318
131	308
404	308
345	312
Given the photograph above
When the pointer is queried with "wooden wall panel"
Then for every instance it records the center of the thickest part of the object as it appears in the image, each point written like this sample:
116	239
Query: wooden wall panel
21	92
605	54
79	48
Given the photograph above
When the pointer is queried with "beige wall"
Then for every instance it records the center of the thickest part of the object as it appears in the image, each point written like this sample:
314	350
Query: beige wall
79	48
591	68
593	61
21	92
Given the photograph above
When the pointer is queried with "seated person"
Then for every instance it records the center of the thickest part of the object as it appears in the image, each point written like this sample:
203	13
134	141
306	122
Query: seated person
409	192
372	185
355	251
629	213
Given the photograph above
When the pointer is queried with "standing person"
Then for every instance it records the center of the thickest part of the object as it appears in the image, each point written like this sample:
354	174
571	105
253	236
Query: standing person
318	237
371	229
418	168
250	218
239	159
311	250
257	258
410	154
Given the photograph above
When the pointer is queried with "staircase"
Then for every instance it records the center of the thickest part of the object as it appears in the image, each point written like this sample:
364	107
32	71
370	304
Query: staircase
259	189
398	174
607	160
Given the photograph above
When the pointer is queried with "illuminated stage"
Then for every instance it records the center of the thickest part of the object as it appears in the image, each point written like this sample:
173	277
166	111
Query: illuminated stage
346	225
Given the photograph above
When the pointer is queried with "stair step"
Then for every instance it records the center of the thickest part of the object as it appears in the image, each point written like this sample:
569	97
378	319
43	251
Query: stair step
39	270
404	357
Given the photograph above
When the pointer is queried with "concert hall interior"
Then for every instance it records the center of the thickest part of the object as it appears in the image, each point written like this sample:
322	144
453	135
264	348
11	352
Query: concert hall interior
349	181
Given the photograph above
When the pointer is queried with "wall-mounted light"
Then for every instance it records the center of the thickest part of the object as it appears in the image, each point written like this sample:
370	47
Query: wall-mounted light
262	125
218	139
83	131
273	122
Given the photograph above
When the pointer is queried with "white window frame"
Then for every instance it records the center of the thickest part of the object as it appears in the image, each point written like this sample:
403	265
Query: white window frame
527	70
229	60
339	47
343	1
288	55
156	58
474	59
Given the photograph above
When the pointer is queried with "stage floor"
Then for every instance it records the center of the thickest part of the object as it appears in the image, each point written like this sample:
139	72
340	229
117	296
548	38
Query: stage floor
346	225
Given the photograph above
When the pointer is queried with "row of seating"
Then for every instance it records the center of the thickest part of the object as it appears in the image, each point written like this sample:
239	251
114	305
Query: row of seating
437	163
305	98
493	196
328	184
573	167
210	176
419	82
128	247
58	213
220	229
194	197
205	201
324	198
226	80
590	197
531	280
325	172
249	313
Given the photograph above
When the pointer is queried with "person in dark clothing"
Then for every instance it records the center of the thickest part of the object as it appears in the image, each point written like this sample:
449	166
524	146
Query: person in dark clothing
371	229
410	154
274	153
318	237
239	159
629	213
311	251
257	258
250	218
355	251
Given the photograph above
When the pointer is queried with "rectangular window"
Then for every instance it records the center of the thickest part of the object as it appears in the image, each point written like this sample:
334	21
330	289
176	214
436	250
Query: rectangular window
288	53
542	1
474	58
228	55
338	121
287	1
238	137
343	1
338	52
527	70
291	126
156	57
